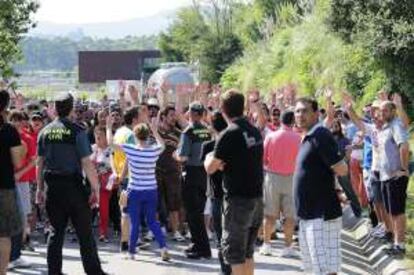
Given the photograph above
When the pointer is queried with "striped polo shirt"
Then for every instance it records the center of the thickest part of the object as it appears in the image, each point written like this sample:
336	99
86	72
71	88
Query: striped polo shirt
142	163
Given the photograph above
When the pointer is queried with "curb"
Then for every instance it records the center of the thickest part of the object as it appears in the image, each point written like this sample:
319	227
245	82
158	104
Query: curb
380	263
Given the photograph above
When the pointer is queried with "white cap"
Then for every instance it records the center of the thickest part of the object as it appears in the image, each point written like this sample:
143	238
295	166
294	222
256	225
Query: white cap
152	102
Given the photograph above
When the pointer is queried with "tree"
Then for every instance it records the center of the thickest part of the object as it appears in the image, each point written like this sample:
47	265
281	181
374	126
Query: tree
203	34
385	29
15	21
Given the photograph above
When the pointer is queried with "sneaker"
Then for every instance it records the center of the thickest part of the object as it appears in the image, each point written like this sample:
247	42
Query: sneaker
198	255
266	250
143	245
188	235
10	266
28	247
395	250
398	252
259	241
21	263
131	257
103	239
378	231
388	237
164	230
165	256
289	252
149	236
178	237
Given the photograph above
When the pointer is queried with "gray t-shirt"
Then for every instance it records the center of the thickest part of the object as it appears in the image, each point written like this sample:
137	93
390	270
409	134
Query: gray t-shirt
191	142
63	144
391	136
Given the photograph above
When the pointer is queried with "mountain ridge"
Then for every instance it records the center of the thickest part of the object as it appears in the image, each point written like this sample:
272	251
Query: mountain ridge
139	26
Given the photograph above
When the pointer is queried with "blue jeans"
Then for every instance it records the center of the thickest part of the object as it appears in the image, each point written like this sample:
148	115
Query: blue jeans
145	202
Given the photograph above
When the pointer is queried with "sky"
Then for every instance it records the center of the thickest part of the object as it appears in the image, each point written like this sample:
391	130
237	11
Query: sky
93	11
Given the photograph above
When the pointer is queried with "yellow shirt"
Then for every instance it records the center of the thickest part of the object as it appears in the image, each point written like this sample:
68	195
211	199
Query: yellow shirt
123	135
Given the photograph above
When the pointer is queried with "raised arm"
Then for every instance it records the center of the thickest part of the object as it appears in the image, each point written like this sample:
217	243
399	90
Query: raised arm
330	110
348	104
110	135
400	110
154	130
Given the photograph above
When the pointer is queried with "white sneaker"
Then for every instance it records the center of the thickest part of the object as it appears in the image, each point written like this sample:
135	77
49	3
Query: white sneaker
10	266
209	235
21	263
149	236
178	237
378	231
164	230
266	250
131	257
165	256
188	235
289	252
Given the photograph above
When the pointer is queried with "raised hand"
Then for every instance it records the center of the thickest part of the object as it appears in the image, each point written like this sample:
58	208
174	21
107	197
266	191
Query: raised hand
396	98
347	100
122	88
383	95
109	122
328	93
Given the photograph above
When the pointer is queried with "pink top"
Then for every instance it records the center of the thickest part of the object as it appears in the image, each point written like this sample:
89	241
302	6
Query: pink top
280	150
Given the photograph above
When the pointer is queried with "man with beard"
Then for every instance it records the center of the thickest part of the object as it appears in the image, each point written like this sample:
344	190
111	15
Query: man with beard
168	170
317	204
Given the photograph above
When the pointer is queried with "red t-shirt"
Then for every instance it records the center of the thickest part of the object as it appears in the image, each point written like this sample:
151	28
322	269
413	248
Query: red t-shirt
29	140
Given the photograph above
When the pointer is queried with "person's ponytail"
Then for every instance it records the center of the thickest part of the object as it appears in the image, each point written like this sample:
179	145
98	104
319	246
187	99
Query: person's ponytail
4	102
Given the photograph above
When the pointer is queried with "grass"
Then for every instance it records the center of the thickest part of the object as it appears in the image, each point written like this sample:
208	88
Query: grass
410	217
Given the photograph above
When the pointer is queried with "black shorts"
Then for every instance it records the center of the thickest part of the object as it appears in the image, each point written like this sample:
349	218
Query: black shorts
242	220
394	192
10	218
169	186
376	189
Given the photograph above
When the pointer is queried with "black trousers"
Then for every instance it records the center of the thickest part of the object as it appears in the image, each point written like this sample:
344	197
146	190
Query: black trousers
114	211
194	200
218	228
66	199
345	183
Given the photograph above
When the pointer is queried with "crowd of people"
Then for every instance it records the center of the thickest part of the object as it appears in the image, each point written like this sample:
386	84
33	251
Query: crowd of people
237	167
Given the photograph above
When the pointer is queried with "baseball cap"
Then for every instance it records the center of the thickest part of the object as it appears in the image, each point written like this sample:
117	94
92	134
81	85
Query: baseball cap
197	107
152	102
36	116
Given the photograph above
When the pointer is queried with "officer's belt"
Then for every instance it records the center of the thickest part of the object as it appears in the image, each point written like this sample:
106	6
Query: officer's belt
62	175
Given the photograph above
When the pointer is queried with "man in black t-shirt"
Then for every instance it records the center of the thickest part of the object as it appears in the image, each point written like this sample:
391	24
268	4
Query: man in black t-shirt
239	154
216	192
11	154
316	202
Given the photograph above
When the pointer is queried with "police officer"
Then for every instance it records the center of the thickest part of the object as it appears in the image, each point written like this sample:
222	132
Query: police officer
194	188
63	154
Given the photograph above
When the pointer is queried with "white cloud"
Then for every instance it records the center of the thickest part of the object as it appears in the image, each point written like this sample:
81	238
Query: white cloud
88	11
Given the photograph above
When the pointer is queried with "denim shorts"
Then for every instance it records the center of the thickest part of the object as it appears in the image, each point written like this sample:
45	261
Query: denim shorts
242	218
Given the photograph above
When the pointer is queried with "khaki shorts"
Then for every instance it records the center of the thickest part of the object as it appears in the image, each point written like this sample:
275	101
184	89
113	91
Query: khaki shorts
278	195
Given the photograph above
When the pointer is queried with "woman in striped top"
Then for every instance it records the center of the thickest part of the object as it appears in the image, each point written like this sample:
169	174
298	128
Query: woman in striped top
142	185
